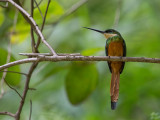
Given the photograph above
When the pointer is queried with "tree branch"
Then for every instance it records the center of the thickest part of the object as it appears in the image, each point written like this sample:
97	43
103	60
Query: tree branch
37	6
15	72
44	20
30	110
42	58
7	113
14	89
32	32
48	54
30	20
26	88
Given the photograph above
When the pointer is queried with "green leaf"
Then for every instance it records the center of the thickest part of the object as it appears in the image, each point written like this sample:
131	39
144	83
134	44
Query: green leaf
81	81
11	78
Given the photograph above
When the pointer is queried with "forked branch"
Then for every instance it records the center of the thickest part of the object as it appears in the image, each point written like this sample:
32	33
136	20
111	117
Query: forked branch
31	21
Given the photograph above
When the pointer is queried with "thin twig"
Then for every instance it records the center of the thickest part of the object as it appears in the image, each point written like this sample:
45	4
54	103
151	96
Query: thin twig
7	113
28	60
33	24
5	6
80	58
30	110
48	54
26	88
44	20
32	32
32	88
14	89
37	6
15	72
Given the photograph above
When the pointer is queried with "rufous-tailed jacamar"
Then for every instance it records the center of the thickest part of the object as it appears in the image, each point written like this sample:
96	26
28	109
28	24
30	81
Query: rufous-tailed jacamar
115	46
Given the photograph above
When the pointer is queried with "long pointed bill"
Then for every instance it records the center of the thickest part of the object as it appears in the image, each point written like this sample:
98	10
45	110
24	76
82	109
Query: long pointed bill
95	30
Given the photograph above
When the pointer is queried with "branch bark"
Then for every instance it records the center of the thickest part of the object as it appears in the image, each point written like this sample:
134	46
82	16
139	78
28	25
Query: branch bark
26	88
14	89
42	58
44	20
7	113
15	72
32	32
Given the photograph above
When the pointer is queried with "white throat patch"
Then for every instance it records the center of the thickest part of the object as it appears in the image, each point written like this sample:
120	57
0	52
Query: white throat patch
107	35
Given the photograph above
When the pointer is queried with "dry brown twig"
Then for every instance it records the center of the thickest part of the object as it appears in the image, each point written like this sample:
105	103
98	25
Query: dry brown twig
37	6
7	113
15	72
44	20
32	30
42	58
14	89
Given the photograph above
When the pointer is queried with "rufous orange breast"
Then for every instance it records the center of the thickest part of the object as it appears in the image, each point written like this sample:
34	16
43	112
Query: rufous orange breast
115	49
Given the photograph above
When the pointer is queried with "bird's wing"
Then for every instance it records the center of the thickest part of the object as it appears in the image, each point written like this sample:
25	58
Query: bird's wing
124	54
106	50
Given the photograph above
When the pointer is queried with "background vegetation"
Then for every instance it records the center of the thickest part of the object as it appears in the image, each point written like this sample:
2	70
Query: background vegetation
139	84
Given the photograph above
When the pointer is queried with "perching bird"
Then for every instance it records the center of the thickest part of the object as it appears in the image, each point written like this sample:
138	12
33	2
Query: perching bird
115	46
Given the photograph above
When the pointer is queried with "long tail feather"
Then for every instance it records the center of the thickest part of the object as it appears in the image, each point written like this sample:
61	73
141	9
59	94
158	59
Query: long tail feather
114	89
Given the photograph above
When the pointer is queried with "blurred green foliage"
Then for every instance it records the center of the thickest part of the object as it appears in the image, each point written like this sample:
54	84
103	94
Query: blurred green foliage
139	83
155	116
